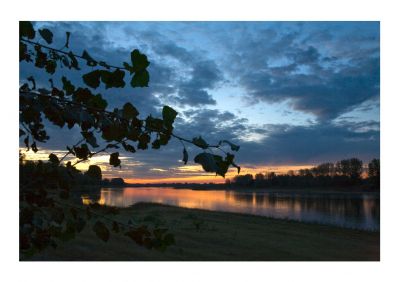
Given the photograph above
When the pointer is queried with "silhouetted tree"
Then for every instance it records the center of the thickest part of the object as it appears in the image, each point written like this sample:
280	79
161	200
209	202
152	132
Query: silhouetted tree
374	172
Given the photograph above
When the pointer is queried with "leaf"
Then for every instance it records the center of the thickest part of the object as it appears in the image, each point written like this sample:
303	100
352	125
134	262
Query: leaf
199	142
47	35
238	167
74	62
101	231
129	111
54	159
89	136
67	86
82	95
156	144
82	152
213	163
139	61
26	30
26	141
185	156
89	60
33	146
114	160
233	146
51	66
128	147
113	79
144	139
92	79
67	34
98	102
169	115
140	79
207	161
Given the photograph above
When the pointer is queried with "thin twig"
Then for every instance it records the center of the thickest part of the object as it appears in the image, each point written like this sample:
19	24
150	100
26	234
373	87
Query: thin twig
66	53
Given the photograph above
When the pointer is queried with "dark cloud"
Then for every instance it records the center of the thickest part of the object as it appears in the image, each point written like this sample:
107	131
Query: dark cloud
324	69
287	144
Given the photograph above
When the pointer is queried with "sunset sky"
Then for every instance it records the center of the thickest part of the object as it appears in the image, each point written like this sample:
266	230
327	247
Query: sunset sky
291	94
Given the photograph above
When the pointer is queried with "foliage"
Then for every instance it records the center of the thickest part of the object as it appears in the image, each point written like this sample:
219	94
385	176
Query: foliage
44	216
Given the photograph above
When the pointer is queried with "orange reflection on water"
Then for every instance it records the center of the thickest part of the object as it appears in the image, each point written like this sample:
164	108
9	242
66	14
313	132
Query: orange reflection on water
359	212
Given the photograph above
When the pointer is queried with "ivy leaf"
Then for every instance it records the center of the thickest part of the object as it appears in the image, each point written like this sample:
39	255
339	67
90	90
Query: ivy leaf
54	159
185	156
47	35
101	231
26	30
92	79
169	115
67	86
140	79
89	136
90	61
74	62
199	142
139	61
129	111
114	160
233	146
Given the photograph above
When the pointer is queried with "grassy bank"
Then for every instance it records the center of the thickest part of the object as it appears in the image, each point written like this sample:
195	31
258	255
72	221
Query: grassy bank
207	235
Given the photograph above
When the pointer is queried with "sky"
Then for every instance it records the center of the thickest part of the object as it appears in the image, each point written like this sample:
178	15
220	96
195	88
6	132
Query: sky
291	94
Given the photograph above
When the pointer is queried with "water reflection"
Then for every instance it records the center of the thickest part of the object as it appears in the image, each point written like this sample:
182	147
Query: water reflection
360	212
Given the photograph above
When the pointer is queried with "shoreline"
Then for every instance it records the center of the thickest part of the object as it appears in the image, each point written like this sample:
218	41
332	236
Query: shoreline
203	235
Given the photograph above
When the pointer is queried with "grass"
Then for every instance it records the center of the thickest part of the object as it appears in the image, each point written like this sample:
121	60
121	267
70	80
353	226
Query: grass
220	236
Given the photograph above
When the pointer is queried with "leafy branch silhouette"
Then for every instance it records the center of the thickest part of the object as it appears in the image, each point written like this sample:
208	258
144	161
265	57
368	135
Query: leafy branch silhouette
72	106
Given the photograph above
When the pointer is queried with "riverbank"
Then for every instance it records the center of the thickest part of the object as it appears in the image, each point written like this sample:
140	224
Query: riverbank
219	236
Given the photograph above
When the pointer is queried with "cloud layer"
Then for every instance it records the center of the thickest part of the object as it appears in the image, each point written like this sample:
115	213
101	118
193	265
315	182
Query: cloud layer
327	70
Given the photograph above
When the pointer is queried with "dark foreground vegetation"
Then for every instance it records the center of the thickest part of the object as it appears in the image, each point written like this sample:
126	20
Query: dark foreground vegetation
216	236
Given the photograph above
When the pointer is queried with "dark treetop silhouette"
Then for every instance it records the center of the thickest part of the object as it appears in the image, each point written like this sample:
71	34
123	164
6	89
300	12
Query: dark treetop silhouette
45	213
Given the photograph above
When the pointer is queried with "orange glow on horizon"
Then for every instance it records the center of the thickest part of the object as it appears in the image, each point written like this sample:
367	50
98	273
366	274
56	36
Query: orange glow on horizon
212	178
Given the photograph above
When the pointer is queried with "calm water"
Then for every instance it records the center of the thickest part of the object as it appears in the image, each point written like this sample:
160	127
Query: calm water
354	211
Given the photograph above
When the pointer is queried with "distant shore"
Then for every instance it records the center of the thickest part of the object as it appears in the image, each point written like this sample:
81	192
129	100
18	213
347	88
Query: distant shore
285	190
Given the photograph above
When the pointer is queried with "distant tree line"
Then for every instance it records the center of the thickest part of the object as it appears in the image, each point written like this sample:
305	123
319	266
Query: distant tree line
346	172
